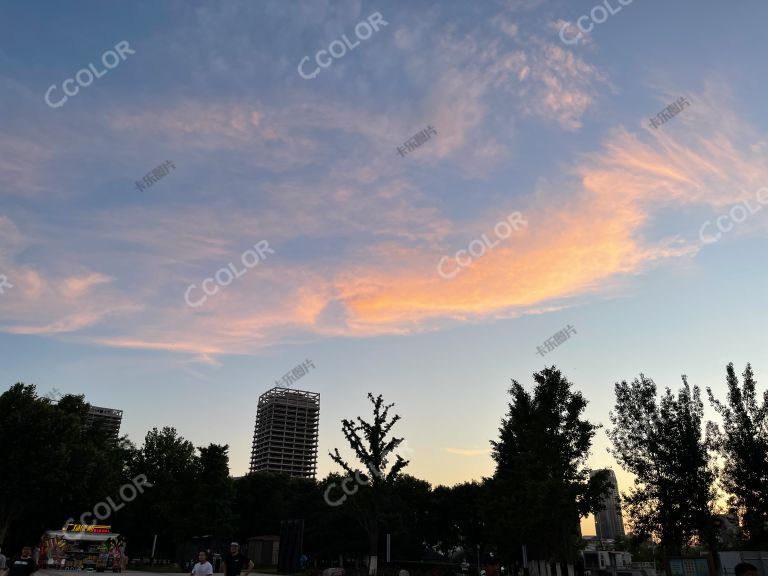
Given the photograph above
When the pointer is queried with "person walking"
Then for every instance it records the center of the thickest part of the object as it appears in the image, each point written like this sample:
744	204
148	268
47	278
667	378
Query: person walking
24	565
203	567
2	561
235	563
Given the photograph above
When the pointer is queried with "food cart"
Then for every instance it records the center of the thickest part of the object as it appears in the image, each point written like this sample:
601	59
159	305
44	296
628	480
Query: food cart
88	547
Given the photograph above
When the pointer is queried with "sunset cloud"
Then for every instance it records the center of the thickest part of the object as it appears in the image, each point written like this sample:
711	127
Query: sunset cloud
312	168
588	231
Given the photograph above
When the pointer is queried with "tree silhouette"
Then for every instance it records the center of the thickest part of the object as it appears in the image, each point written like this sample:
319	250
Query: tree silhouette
542	487
663	446
373	450
743	444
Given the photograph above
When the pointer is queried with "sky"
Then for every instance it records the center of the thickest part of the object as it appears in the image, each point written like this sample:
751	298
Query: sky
601	166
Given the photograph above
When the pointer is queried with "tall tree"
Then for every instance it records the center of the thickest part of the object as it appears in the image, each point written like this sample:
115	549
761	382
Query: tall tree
171	464
373	450
662	444
263	499
214	492
407	516
96	458
542	487
743	445
456	517
51	468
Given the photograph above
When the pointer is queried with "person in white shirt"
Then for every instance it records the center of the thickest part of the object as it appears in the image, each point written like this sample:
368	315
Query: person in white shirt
203	567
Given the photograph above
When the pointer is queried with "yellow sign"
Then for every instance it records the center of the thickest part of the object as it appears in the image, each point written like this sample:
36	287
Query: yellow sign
92	528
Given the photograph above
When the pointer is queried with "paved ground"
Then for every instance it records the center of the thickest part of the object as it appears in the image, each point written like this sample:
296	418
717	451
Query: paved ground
127	572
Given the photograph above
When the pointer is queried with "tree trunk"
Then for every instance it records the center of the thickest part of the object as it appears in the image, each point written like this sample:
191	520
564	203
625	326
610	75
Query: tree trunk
3	531
373	551
6	519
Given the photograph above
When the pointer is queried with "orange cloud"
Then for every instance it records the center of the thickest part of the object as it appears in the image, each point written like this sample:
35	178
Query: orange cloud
588	229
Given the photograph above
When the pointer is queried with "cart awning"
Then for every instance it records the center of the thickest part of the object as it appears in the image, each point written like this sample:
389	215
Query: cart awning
81	536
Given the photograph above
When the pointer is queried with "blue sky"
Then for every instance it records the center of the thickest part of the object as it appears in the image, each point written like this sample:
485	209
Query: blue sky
524	123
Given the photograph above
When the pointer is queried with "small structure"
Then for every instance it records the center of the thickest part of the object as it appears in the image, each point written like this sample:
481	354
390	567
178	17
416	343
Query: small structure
264	550
82	547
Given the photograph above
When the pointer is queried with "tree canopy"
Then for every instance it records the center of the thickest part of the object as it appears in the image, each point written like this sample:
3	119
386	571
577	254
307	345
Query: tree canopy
542	487
54	467
662	444
743	444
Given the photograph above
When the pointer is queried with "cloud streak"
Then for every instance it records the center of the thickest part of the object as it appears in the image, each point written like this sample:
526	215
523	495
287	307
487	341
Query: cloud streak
585	234
359	231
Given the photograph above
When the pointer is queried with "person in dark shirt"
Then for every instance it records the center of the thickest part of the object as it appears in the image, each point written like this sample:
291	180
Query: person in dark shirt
745	569
236	562
23	566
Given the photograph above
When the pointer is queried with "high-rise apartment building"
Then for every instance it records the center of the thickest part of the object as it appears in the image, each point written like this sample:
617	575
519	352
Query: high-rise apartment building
609	523
286	432
108	419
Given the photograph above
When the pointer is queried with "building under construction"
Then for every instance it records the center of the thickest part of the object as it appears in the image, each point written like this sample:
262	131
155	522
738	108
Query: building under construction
107	419
286	432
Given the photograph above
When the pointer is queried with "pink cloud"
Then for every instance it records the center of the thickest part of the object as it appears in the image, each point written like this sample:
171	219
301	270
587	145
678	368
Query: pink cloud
587	232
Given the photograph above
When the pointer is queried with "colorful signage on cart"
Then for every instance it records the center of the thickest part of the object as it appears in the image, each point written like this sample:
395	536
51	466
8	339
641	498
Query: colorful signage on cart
91	528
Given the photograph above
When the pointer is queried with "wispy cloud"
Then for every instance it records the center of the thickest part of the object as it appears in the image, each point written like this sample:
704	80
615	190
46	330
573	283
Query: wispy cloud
589	229
358	231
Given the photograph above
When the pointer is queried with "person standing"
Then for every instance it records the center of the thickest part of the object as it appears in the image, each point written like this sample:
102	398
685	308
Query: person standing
2	562
23	566
203	567
745	569
235	562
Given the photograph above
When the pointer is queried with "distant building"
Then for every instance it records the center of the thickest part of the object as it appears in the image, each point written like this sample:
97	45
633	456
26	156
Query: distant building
286	432
728	529
108	419
609	523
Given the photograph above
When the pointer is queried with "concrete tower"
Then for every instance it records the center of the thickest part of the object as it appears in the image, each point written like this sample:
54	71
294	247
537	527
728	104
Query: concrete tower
286	432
